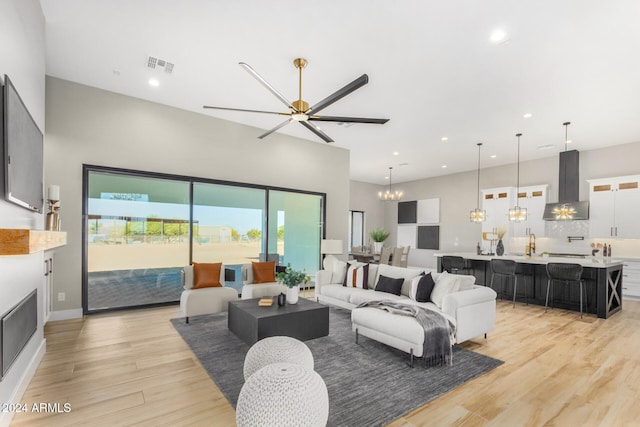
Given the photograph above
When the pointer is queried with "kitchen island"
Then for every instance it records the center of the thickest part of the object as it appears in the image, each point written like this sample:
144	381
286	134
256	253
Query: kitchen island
602	277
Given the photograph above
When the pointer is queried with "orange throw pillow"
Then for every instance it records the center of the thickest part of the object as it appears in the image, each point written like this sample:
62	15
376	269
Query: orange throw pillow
264	272
206	275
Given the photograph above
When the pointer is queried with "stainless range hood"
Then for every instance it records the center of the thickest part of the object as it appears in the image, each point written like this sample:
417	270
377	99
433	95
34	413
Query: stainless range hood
568	208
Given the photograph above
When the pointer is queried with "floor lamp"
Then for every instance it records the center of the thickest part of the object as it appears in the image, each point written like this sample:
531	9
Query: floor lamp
329	248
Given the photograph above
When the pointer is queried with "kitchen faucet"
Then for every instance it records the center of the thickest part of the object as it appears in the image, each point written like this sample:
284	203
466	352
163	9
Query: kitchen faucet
532	244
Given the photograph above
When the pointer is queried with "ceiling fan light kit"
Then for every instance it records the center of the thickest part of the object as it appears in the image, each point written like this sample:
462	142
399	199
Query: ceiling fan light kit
299	110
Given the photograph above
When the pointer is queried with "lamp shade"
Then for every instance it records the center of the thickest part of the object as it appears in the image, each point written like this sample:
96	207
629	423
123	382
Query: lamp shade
331	247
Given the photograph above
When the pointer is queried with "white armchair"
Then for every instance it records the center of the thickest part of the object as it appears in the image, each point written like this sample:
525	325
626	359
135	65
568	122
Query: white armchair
194	302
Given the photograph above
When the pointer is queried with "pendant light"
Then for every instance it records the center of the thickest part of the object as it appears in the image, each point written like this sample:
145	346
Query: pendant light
478	215
564	210
518	214
389	196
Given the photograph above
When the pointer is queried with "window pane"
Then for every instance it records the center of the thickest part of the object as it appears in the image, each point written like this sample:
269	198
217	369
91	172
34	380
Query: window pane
295	229
137	239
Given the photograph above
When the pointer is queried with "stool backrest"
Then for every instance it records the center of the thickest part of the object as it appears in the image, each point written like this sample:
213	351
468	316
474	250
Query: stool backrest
450	263
505	267
562	271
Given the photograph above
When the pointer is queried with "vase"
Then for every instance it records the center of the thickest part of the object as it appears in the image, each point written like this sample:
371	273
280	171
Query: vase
500	248
282	300
377	247
292	294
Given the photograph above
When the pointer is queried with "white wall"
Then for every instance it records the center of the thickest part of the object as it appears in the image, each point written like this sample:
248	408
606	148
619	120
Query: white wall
91	126
22	59
364	197
457	193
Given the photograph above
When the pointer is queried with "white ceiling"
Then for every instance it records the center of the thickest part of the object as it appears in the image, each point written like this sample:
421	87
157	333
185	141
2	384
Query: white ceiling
432	70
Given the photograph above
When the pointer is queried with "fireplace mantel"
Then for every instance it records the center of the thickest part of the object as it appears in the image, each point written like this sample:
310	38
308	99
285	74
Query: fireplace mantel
18	241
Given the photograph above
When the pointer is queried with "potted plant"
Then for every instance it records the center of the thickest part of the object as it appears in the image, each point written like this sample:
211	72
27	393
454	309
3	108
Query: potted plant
292	279
378	235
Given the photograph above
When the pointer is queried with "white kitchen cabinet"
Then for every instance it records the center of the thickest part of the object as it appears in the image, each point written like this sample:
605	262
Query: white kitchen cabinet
496	202
534	199
631	279
48	286
613	206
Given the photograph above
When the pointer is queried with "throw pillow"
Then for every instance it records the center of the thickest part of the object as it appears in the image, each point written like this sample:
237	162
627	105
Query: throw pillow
446	284
339	269
206	275
357	276
264	272
421	288
389	285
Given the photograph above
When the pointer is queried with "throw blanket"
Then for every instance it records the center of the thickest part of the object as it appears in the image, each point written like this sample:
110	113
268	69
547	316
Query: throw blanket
438	331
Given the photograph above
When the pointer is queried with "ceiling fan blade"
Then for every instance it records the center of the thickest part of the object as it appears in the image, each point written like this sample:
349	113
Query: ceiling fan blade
266	84
347	119
339	94
281	125
243	110
315	129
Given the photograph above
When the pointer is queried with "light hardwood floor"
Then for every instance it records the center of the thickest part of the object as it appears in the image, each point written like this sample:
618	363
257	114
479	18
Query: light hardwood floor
134	369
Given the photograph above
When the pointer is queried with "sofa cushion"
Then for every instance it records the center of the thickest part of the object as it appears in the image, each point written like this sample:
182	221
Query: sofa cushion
264	272
339	292
357	276
398	272
421	288
338	271
445	284
389	285
206	275
367	295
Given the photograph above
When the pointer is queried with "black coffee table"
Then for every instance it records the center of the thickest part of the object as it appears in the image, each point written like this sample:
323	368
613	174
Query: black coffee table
305	320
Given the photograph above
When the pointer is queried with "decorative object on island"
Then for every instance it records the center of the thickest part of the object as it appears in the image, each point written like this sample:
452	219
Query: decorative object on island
389	196
500	246
53	218
478	215
329	248
517	213
292	279
378	235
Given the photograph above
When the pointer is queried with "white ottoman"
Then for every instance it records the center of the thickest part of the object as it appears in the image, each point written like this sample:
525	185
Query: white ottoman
277	350
283	394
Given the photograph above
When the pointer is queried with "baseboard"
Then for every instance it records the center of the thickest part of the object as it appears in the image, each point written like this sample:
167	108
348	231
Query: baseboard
76	313
6	417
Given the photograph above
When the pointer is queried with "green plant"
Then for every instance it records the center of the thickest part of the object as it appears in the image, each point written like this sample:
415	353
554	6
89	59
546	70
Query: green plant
291	277
379	235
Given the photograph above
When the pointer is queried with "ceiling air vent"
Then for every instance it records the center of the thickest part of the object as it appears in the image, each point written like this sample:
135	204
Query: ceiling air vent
159	64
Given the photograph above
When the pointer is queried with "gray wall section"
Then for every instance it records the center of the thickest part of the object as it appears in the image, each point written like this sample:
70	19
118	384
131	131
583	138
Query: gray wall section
22	59
86	125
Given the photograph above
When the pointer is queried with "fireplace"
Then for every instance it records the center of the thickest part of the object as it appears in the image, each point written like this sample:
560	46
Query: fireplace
17	326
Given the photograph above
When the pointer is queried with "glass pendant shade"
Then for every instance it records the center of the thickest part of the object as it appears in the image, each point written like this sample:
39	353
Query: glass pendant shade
516	213
478	215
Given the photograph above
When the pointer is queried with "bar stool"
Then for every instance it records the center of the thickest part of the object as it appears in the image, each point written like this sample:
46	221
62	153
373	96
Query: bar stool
505	268
454	265
567	273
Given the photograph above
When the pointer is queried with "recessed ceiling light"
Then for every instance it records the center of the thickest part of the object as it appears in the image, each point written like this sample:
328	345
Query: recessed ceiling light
528	115
493	156
444	139
444	166
498	36
395	153
154	82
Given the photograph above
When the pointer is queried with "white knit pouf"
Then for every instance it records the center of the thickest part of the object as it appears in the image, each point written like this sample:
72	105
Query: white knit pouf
274	350
283	394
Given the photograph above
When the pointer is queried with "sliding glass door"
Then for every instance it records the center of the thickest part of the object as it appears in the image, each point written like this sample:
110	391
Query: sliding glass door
137	235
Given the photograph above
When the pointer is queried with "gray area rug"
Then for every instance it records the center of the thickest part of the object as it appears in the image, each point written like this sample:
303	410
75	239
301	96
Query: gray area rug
369	384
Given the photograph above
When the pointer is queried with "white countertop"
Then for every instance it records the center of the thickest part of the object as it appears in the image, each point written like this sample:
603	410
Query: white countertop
591	262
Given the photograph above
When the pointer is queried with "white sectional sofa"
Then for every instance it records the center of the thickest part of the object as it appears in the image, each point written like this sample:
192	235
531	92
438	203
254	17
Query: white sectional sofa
472	310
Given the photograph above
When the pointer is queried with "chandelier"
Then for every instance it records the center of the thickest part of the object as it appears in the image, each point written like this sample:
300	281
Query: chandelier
517	213
564	211
478	215
390	196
